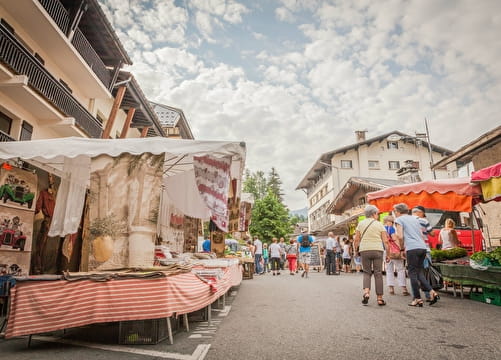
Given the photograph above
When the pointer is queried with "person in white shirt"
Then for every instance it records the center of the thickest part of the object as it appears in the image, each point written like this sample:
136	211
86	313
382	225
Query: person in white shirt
275	252
330	255
258	253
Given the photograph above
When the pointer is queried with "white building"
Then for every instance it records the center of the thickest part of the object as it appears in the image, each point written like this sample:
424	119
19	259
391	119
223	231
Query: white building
381	157
60	74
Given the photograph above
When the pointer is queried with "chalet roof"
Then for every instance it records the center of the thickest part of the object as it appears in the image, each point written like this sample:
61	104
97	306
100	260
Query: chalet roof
352	186
324	160
100	33
134	97
171	117
465	154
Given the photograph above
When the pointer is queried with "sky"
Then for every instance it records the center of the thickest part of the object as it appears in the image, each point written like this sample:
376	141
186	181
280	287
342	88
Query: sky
297	78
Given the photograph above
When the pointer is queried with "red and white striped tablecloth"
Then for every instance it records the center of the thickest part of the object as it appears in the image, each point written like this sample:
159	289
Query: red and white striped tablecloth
42	306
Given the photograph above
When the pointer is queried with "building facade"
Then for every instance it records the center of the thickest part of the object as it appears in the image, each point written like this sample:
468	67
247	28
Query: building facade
61	74
173	121
389	156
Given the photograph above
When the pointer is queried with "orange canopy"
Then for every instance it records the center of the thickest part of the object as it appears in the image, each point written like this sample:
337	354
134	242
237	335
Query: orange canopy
447	194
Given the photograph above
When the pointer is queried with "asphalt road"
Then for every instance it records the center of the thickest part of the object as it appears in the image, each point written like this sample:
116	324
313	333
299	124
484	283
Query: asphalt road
288	317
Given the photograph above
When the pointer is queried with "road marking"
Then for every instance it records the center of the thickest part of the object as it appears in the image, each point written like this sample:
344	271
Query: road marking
198	354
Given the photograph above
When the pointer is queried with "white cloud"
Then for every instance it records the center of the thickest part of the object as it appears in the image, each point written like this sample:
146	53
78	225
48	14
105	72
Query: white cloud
380	65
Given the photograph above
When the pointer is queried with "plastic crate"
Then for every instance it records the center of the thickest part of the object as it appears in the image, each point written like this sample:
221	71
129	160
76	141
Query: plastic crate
488	296
142	332
492	296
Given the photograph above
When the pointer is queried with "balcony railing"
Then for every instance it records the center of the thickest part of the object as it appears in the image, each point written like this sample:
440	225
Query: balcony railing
14	55
61	17
5	137
90	56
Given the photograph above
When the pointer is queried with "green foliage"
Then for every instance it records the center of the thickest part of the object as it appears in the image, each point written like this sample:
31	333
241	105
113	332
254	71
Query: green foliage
492	258
257	184
450	254
269	218
295	219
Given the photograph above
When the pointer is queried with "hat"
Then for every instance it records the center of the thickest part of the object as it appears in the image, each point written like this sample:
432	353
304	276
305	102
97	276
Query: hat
418	208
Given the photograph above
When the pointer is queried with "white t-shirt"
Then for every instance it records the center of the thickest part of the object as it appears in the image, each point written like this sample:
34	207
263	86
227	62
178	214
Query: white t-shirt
275	250
346	251
259	246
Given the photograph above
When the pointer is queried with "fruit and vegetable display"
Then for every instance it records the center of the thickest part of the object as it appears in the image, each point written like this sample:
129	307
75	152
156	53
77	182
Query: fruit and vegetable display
484	258
449	254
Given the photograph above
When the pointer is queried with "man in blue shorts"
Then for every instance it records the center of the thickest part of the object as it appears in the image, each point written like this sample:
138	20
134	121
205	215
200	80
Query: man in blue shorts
304	240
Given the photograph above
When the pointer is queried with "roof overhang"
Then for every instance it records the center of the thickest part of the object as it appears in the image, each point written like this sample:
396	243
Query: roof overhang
465	154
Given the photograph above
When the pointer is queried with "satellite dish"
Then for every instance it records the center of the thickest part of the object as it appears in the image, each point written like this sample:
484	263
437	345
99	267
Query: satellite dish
394	137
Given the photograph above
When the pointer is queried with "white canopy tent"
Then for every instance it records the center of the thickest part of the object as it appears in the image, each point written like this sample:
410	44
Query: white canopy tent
70	159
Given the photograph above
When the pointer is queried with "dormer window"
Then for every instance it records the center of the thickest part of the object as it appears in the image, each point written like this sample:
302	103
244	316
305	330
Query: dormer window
392	144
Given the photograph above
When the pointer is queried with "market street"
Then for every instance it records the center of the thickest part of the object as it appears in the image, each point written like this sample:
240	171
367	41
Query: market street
288	317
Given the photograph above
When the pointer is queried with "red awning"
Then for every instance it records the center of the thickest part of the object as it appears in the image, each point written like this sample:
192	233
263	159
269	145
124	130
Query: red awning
447	194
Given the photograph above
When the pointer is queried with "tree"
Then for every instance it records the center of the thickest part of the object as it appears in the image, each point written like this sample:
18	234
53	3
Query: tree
275	184
255	183
270	218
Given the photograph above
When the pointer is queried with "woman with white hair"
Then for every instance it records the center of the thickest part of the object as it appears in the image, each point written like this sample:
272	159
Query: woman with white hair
370	236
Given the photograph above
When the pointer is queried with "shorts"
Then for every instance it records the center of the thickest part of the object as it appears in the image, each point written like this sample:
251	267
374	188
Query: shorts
346	261
358	260
305	257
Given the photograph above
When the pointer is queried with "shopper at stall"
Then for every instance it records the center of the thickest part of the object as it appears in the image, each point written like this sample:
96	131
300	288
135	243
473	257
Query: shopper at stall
258	253
426	229
206	245
448	237
370	235
291	250
395	260
409	235
275	252
305	240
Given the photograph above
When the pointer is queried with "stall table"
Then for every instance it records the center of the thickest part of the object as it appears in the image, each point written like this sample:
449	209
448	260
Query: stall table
43	306
465	275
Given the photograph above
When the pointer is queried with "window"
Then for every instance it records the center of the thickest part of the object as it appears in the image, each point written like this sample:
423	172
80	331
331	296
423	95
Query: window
346	164
392	144
393	165
5	123
26	131
373	164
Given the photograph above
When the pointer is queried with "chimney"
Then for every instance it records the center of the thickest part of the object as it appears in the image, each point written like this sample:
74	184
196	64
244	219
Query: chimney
360	135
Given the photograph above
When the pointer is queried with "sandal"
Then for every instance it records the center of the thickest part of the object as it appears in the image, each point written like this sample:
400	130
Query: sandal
365	299
434	298
416	302
405	293
381	302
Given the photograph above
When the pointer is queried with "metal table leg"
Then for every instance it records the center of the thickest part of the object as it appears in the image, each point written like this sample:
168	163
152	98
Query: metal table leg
169	331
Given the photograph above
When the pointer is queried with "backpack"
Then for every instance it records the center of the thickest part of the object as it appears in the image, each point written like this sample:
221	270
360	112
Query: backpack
305	241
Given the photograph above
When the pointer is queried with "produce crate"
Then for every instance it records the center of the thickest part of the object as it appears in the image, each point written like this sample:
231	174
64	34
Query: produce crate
142	332
489	296
248	270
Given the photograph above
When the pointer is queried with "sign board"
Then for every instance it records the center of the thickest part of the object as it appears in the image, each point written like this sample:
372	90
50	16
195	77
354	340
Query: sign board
316	259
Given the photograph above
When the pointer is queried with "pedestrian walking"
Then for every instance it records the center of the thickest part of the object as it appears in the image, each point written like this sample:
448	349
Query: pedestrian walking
291	250
339	254
409	235
305	240
275	251
258	253
395	260
281	243
426	229
346	256
370	235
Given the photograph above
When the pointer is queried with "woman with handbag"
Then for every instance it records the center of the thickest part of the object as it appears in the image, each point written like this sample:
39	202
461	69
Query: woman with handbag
395	259
370	235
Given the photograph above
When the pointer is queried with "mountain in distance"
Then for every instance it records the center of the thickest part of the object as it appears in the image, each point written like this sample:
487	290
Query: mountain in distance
300	212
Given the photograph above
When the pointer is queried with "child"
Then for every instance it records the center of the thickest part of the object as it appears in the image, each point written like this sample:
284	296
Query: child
346	256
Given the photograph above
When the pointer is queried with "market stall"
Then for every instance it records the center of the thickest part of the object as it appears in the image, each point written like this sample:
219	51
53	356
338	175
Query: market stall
139	190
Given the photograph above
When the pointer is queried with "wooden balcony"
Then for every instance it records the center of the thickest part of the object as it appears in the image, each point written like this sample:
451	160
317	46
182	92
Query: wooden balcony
21	62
